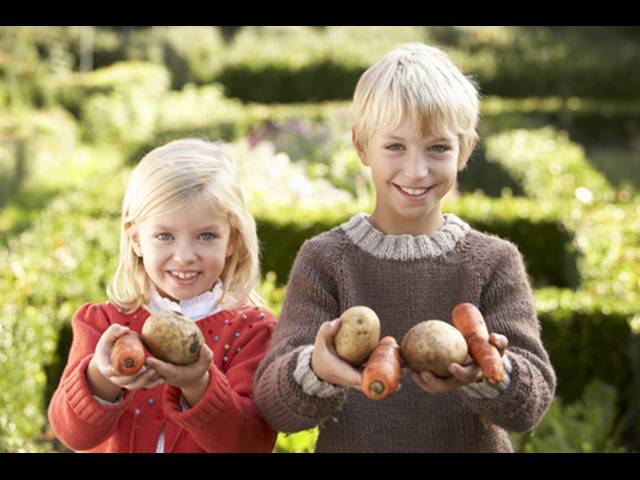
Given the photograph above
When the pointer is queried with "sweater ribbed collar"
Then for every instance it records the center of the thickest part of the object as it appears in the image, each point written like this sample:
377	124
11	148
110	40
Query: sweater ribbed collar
405	247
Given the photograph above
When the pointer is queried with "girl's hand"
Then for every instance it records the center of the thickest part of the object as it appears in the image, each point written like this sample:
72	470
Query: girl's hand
104	380
325	361
192	379
461	375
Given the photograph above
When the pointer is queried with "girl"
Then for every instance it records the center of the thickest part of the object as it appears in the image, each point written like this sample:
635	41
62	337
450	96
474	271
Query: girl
187	244
415	118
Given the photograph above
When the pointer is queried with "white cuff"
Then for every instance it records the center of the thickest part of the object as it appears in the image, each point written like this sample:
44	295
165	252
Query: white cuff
107	403
484	390
311	384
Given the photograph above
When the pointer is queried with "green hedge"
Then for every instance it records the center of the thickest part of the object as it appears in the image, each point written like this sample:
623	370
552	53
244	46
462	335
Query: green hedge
32	144
305	64
264	66
47	272
554	170
588	337
72	90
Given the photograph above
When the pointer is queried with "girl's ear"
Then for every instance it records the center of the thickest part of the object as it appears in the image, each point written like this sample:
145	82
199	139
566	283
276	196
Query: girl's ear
134	239
358	147
231	243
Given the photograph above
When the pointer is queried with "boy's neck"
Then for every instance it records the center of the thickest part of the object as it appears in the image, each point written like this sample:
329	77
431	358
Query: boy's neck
394	225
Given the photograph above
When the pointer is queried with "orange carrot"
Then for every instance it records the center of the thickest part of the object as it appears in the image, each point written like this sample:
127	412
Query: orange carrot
469	320
127	354
381	376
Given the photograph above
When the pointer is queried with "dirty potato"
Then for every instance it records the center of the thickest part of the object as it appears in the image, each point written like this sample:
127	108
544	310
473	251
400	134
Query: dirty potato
172	337
358	335
433	345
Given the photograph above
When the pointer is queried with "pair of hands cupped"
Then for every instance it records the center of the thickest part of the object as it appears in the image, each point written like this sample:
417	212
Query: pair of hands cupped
329	367
154	372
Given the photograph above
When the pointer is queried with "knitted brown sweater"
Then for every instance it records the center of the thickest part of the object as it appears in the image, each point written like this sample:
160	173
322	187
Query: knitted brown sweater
406	279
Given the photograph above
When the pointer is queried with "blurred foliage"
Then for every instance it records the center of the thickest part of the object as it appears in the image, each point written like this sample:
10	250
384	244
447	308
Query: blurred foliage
73	90
589	425
299	442
605	225
31	145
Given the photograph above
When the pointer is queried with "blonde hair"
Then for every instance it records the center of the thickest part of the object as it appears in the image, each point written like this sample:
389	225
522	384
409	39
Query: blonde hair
169	178
421	82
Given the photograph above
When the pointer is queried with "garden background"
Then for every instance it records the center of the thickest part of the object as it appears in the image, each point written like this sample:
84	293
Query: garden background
557	172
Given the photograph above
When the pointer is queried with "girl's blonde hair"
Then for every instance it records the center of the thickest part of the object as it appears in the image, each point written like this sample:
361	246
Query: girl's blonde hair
169	178
420	82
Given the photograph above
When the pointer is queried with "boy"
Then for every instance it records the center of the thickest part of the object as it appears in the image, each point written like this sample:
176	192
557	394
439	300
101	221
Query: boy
415	117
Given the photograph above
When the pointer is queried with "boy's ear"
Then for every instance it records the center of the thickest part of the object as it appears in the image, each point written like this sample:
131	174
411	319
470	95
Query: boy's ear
358	147
463	161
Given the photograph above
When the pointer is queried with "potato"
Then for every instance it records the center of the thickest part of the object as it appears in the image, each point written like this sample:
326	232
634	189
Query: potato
172	337
432	345
358	335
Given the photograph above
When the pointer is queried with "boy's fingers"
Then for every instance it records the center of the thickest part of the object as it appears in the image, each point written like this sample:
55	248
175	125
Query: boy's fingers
329	329
466	374
500	341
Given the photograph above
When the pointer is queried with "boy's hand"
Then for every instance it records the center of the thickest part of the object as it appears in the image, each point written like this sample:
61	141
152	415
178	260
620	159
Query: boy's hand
104	379
461	375
325	361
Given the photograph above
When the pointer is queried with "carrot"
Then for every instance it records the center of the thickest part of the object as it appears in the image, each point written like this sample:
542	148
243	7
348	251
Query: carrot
381	376
469	320
127	354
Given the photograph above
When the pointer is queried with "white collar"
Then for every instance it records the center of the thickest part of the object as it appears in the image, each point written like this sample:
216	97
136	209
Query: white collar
195	308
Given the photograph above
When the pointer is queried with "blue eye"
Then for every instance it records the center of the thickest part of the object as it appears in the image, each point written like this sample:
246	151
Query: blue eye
394	147
208	236
164	236
440	148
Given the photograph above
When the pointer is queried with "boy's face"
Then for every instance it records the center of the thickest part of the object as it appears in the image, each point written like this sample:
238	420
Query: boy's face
184	252
411	175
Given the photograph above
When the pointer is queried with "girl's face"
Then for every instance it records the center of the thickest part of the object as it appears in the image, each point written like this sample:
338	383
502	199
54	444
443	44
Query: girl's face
184	252
411	175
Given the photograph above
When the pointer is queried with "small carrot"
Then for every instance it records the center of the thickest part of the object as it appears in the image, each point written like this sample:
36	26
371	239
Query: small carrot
127	354
469	320
381	376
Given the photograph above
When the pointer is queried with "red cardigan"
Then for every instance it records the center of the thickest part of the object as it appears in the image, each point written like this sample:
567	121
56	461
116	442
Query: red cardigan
226	419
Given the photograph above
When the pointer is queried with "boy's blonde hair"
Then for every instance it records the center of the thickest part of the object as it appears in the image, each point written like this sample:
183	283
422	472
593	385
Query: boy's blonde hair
167	179
420	82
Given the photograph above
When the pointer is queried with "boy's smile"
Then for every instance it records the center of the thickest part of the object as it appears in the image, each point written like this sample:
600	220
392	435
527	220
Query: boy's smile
414	193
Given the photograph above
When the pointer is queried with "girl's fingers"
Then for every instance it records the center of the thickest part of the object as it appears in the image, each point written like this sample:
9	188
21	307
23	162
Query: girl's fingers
141	379
155	383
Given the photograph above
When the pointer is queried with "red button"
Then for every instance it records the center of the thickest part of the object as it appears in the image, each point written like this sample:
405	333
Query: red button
160	415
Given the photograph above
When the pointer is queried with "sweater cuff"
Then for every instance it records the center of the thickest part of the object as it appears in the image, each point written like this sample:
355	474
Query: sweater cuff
484	390
312	384
83	403
209	406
